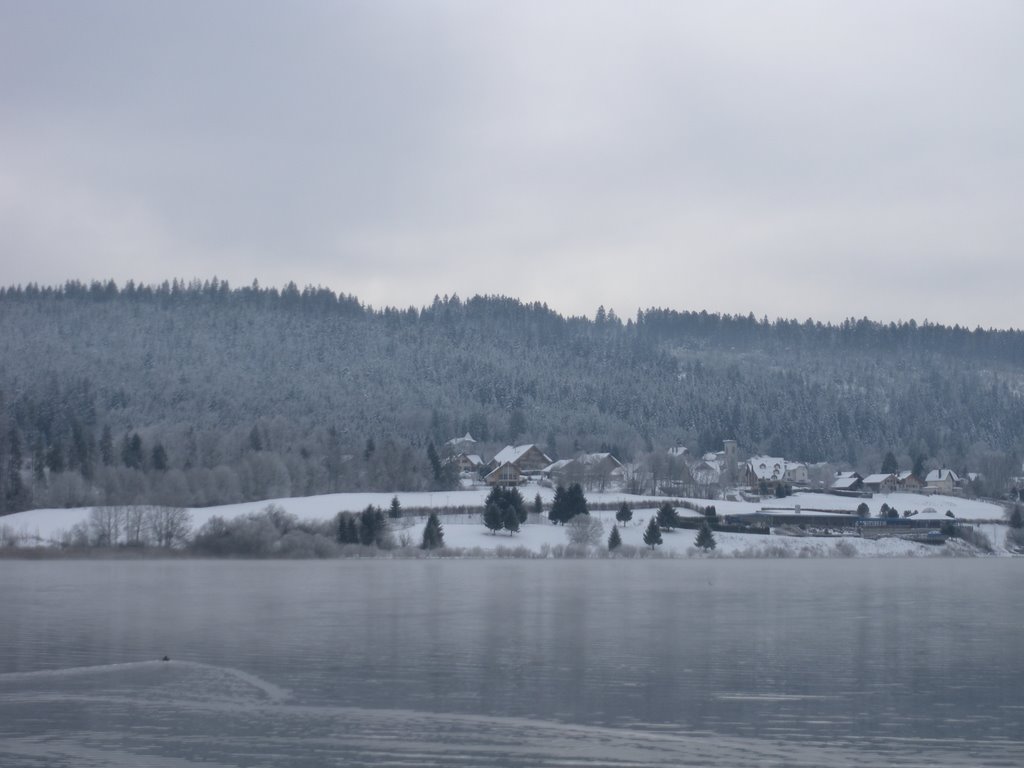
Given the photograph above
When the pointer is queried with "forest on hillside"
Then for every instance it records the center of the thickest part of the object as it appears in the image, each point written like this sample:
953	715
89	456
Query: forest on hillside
199	393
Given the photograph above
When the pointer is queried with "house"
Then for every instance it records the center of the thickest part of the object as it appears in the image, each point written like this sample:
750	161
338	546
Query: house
884	482
707	479
599	469
505	473
847	481
942	481
765	473
908	481
765	468
723	463
461	443
526	458
467	462
564	472
796	473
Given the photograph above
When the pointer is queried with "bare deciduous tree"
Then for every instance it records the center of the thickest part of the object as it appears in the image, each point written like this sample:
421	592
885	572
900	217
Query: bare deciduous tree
168	526
105	526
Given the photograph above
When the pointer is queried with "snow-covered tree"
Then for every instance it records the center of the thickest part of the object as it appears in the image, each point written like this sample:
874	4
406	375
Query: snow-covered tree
652	534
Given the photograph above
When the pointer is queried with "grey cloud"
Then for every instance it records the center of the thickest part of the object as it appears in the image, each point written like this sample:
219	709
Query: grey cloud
728	155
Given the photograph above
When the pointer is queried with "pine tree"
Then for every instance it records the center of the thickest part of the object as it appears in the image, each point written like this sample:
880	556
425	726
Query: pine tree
919	461
516	424
889	464
39	463
558	511
705	538
538	505
614	539
652	534
255	441
510	519
433	534
107	447
493	517
435	464
515	499
79	454
159	458
347	529
373	527
575	502
666	516
1015	518
625	514
395	510
131	451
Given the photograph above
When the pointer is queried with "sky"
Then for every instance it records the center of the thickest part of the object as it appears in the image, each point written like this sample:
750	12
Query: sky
790	159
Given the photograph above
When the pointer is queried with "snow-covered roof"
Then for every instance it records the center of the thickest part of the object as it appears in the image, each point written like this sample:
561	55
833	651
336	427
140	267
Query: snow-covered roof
558	465
512	453
877	478
846	475
679	451
845	483
904	475
474	459
941	475
595	458
767	467
467	438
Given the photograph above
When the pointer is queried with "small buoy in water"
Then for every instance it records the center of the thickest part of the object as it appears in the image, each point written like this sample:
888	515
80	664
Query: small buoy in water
165	658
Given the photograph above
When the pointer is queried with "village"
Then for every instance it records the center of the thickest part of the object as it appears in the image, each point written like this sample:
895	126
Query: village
761	483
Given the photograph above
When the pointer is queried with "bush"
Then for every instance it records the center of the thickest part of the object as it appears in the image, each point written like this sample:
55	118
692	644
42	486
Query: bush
584	530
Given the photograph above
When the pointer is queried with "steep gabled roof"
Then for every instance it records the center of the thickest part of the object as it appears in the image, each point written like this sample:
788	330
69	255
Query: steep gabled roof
596	458
941	475
512	454
877	479
767	467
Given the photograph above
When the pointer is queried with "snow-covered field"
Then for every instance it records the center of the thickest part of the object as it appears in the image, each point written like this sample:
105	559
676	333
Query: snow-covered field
466	531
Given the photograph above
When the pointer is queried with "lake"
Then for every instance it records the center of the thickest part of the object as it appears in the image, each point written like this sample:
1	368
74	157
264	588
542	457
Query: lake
512	662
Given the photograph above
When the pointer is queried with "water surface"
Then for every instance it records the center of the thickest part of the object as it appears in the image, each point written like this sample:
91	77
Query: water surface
492	662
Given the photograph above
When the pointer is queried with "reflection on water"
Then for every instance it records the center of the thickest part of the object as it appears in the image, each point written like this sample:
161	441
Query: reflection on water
511	663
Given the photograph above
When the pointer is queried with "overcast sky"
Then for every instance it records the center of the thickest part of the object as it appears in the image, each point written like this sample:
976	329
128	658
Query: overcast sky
794	159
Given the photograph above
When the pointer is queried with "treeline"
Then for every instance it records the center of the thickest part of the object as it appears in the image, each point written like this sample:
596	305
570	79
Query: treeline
271	532
199	393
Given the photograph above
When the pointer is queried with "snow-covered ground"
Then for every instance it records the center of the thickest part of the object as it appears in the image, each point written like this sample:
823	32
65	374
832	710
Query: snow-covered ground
466	531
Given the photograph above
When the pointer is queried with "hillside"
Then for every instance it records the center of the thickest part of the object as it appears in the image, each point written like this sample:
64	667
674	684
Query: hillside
203	394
